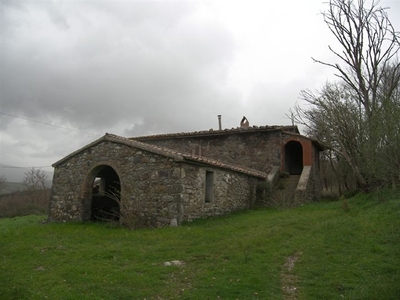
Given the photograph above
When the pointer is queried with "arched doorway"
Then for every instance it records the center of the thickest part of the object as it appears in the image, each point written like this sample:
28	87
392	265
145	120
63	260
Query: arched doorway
105	194
293	158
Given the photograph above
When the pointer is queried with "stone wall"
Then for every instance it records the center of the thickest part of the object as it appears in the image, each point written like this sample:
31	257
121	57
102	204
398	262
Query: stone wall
256	150
144	176
154	188
313	188
232	191
315	184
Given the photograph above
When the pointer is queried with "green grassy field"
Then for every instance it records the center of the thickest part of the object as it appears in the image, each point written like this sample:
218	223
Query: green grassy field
341	252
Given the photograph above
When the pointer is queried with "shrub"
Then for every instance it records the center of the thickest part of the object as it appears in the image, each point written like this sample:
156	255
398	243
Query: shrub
284	175
24	203
263	192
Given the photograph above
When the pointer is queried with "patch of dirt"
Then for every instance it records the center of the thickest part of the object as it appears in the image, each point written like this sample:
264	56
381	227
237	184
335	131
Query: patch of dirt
39	268
288	279
174	263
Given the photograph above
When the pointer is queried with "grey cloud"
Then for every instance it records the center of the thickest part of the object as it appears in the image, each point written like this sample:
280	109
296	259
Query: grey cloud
55	12
153	63
16	4
146	67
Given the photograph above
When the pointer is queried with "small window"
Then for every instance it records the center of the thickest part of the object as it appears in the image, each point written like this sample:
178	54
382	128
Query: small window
209	186
198	150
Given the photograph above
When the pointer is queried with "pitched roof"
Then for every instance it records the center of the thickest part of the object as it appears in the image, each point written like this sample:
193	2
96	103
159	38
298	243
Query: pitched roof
167	152
213	132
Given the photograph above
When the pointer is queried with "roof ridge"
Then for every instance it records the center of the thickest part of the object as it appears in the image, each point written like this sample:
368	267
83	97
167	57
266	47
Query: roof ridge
211	131
145	146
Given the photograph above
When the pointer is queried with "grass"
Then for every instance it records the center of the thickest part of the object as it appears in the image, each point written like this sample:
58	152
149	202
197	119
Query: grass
351	253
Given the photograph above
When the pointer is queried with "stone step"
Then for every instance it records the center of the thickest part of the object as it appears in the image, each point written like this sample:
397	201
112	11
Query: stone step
291	182
284	191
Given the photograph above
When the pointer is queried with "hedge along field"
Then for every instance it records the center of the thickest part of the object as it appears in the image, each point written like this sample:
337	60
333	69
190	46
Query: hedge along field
22	203
347	249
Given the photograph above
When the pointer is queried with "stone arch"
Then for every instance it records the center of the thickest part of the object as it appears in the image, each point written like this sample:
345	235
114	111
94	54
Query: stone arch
293	157
102	194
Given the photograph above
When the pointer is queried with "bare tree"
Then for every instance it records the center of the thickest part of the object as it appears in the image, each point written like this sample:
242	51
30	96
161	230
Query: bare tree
35	179
354	116
369	43
334	119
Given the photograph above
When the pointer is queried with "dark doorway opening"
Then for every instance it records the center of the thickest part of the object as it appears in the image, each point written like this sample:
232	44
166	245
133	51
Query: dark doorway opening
293	158
106	195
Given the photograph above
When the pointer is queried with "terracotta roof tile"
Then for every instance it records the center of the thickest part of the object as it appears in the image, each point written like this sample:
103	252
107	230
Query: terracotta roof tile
212	132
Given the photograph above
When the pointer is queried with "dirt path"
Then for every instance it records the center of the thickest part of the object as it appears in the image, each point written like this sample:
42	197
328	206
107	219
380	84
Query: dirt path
288	279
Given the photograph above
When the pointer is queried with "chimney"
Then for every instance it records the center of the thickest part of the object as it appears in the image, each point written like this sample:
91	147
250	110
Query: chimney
219	122
244	123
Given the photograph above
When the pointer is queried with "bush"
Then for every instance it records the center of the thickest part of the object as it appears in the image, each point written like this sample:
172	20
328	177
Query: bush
24	203
263	193
284	175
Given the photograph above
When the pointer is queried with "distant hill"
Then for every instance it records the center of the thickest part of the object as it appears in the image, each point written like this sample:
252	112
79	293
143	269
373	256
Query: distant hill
17	174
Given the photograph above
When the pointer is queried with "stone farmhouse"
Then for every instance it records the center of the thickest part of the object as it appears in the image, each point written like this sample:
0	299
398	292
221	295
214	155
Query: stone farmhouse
170	178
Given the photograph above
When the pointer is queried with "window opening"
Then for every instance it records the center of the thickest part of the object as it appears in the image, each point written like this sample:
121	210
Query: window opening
209	186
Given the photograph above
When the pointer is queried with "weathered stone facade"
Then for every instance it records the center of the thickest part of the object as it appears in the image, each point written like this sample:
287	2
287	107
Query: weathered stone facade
232	191
160	185
257	148
163	179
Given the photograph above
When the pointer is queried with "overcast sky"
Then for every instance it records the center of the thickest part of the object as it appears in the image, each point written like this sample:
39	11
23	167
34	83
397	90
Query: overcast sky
147	67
